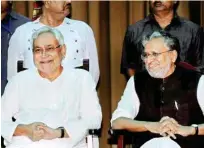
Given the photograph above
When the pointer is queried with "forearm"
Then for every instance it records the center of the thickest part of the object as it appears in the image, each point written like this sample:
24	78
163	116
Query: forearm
21	130
201	129
130	125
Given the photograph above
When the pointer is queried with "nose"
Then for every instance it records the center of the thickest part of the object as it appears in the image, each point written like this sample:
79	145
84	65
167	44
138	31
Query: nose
149	59
44	53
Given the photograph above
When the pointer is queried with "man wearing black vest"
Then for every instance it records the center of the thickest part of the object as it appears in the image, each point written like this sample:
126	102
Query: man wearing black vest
166	101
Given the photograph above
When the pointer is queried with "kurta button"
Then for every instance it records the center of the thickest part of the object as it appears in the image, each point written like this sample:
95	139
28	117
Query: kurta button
77	50
75	58
29	48
75	40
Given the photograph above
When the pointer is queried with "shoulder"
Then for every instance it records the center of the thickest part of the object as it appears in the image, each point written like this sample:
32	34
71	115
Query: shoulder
79	25
189	76
137	29
24	27
187	68
189	24
23	76
20	17
77	22
78	74
138	25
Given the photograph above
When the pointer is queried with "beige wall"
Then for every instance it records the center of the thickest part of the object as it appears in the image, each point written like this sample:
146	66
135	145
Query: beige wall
109	20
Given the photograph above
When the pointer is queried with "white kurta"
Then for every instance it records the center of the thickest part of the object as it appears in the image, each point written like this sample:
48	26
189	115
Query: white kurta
78	37
69	101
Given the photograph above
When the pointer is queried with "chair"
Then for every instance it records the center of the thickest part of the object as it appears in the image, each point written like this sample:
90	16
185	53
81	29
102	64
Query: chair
124	137
121	137
90	138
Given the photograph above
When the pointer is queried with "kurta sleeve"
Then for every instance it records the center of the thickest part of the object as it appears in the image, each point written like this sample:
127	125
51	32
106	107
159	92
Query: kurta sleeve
92	52
200	93
129	104
9	107
90	111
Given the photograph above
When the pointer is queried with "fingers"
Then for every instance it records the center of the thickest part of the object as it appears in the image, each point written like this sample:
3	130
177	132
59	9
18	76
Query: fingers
169	127
170	134
39	127
36	131
167	132
164	118
40	123
38	135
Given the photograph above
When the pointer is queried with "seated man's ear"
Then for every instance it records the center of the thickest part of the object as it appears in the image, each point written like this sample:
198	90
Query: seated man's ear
174	55
63	50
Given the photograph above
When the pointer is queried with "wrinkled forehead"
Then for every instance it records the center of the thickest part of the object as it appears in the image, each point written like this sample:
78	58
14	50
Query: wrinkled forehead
155	45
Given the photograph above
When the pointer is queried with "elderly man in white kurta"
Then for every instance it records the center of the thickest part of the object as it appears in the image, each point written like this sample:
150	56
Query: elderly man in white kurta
78	36
53	106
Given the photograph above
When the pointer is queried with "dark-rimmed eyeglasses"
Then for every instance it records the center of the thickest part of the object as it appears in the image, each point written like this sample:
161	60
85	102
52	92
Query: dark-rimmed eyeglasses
154	55
48	50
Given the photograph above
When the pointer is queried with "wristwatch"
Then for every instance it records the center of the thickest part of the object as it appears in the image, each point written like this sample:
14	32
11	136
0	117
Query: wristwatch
62	131
196	128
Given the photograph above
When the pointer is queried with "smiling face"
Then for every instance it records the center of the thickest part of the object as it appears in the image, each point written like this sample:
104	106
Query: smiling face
158	66
48	54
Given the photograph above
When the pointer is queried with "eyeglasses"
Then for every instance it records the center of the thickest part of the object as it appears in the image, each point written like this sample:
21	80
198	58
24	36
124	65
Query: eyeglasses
48	50
154	55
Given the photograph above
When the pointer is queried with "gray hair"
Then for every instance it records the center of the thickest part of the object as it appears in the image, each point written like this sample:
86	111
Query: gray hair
171	43
56	33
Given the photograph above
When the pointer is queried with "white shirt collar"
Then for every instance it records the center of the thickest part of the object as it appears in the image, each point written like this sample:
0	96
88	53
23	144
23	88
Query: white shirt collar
65	21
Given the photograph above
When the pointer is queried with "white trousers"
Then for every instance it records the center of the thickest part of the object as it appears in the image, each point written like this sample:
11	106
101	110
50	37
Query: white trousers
162	142
24	142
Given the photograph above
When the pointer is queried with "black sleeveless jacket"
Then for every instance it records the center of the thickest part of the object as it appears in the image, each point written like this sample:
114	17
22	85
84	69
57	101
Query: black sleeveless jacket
174	96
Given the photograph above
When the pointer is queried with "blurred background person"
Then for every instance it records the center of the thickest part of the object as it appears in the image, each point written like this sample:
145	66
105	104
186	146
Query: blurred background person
10	20
163	16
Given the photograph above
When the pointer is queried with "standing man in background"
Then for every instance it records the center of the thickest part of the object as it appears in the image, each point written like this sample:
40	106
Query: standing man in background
163	16
10	20
78	36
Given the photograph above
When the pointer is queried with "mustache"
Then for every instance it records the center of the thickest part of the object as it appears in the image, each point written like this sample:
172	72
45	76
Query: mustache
156	3
68	5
